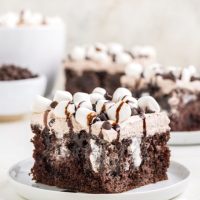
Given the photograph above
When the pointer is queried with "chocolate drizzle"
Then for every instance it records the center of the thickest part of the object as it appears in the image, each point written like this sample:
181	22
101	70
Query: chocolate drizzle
144	123
117	111
69	121
45	119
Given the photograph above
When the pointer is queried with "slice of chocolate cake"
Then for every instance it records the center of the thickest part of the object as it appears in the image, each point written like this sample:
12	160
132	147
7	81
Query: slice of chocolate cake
96	143
177	91
100	65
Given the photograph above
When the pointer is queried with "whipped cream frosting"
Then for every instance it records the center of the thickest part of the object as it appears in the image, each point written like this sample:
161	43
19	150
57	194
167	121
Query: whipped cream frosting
28	18
121	112
109	57
167	79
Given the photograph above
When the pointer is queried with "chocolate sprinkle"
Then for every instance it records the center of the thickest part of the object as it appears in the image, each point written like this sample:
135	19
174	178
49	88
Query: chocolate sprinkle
53	104
106	125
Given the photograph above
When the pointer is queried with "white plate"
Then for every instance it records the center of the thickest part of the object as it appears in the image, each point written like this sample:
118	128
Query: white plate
185	138
25	187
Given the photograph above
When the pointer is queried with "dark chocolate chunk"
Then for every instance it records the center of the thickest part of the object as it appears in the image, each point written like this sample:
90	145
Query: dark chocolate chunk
53	104
103	117
106	125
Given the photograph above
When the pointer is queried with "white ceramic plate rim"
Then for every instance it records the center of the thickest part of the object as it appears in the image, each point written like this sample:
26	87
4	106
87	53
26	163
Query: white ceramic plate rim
128	193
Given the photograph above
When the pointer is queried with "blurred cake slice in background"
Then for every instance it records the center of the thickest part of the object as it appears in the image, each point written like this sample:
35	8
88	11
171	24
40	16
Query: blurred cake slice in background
101	65
176	89
95	143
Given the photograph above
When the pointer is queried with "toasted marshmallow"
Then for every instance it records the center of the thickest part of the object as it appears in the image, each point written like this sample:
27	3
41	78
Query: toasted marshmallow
94	97
99	90
120	93
119	112
123	58
41	104
103	105
131	101
84	116
115	48
78	53
134	69
148	103
80	97
60	109
62	96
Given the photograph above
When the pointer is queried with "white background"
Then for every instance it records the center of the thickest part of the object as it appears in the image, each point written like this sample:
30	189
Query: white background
172	26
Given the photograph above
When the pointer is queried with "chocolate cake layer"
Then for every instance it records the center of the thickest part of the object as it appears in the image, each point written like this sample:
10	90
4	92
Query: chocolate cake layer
117	172
96	143
88	80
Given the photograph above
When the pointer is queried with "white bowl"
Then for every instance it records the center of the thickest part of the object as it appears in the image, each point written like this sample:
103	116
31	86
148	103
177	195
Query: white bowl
17	96
40	48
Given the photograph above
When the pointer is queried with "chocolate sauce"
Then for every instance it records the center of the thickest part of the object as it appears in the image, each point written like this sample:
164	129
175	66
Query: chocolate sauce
117	111
101	134
144	123
90	118
45	119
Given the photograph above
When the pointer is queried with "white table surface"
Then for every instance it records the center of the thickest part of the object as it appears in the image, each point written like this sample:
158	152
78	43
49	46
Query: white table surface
15	145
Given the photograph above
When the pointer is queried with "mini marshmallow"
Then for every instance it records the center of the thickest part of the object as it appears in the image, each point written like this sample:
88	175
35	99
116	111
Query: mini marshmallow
120	93
101	57
41	104
99	90
119	112
187	73
60	109
62	96
123	58
148	103
78	53
71	108
176	71
10	19
36	19
151	70
148	51
94	97
100	47
84	116
134	69
131	101
103	104
80	97
114	48
85	104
